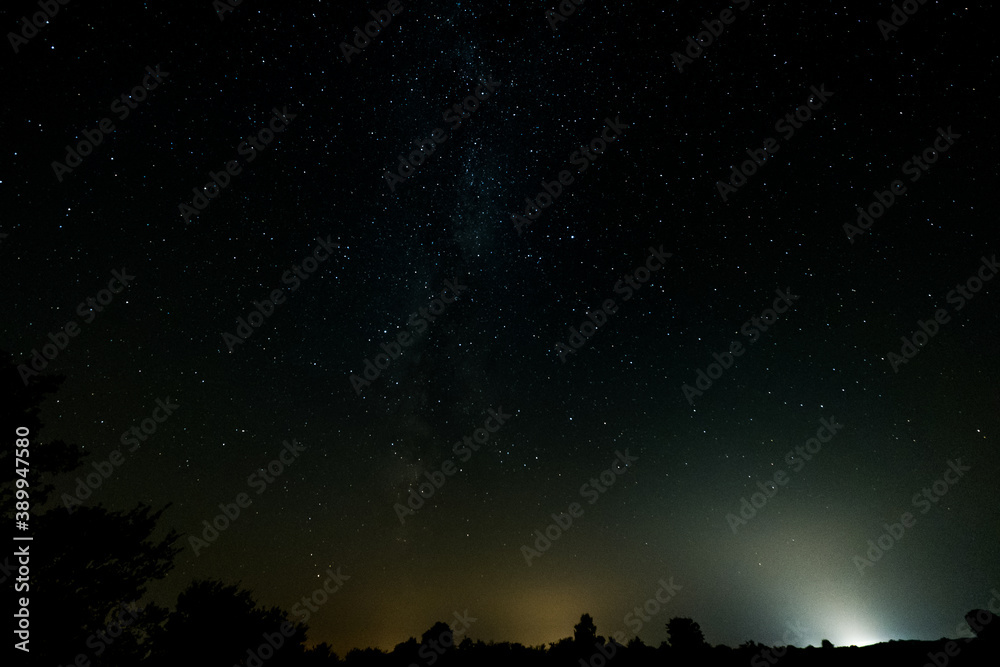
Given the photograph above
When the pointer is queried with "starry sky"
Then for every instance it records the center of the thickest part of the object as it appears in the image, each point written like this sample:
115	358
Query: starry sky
683	125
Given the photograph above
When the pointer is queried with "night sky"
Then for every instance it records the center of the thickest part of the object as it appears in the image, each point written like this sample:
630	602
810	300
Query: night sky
647	217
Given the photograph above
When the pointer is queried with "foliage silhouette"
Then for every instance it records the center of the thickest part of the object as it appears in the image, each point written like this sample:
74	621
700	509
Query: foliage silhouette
85	566
585	632
223	625
685	635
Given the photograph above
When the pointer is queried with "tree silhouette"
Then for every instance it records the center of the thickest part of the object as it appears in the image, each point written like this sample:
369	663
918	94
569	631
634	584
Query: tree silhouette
440	634
321	655
984	623
565	651
685	635
222	625
22	405
94	564
585	633
98	564
368	657
406	652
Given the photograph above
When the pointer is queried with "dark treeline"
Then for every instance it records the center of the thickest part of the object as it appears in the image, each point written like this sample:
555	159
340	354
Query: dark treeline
90	569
